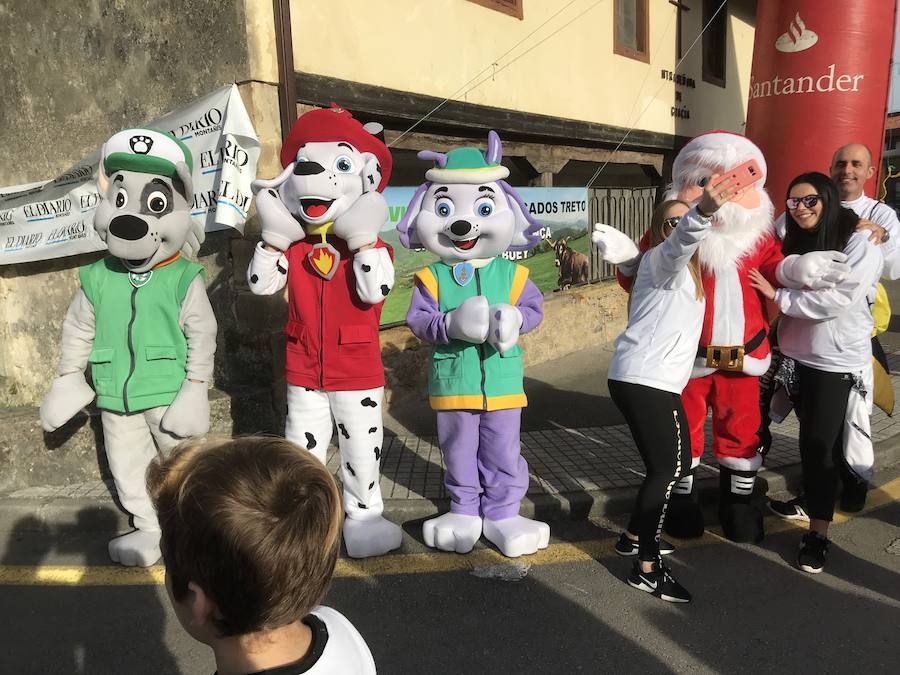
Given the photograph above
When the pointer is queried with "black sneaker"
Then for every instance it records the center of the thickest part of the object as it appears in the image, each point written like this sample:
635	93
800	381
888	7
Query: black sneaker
659	582
812	553
853	497
628	547
793	509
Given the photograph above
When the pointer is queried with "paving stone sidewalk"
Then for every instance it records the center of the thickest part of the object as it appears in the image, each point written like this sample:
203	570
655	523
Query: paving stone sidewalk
562	461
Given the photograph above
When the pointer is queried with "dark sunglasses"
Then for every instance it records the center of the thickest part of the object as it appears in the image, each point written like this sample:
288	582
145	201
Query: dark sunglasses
808	201
671	222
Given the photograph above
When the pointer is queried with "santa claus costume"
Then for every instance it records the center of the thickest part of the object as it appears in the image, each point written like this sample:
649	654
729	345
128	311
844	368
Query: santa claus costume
734	349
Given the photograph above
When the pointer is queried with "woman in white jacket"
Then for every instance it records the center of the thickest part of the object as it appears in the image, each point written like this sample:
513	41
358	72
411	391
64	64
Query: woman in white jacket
650	368
827	334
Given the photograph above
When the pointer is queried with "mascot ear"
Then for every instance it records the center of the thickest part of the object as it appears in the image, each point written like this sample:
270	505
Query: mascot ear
371	173
525	235
102	178
407	225
183	182
274	183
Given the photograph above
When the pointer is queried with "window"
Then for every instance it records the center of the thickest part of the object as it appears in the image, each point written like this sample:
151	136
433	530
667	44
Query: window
630	28
715	41
511	7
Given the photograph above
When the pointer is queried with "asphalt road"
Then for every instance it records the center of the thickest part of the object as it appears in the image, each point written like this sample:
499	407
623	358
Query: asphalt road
566	610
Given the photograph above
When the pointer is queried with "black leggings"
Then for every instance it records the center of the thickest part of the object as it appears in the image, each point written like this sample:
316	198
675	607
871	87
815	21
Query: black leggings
821	407
660	431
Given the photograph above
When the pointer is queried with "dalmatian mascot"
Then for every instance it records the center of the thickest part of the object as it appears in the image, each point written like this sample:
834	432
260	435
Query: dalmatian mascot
320	222
734	349
471	306
143	321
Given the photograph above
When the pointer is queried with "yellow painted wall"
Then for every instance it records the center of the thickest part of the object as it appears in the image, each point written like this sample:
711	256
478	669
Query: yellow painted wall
435	47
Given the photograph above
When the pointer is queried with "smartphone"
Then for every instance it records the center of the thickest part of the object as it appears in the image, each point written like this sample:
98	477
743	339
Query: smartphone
744	175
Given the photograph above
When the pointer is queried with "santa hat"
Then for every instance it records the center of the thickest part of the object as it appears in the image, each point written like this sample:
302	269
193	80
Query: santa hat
329	125
715	151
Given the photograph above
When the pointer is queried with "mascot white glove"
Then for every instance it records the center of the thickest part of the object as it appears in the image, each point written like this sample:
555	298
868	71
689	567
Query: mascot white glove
470	321
188	414
505	322
360	224
614	246
68	394
816	270
279	228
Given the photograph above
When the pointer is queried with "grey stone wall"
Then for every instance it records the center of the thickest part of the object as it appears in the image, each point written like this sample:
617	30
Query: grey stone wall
71	75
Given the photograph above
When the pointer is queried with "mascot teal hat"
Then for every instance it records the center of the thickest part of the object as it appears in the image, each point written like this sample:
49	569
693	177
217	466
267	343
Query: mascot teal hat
145	151
464	165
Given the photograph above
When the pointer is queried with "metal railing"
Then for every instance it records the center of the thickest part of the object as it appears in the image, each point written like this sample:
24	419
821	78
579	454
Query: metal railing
627	209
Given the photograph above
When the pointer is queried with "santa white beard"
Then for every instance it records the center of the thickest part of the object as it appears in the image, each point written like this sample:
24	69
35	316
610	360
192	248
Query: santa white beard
735	231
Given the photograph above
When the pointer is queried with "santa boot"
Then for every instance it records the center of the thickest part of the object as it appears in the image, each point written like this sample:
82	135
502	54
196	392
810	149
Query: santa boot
741	521
684	519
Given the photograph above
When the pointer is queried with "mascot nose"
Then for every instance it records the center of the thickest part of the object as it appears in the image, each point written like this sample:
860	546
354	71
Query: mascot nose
131	228
461	227
307	168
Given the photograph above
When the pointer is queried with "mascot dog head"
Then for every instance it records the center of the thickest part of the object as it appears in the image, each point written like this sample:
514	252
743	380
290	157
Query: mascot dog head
465	210
145	179
330	160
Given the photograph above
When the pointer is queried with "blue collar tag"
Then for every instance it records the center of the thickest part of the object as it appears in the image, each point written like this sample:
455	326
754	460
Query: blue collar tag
463	273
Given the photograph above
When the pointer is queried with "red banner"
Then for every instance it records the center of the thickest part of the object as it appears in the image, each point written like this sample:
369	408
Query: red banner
820	79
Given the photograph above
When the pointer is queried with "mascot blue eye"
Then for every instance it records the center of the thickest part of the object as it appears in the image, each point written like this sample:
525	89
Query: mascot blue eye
486	208
443	207
703	181
343	164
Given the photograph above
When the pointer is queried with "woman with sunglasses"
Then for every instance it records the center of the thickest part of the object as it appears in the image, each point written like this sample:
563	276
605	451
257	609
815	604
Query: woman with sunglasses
827	334
650	367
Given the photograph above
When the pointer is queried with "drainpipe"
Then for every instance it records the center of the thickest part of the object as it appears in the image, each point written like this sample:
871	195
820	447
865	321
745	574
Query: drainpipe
287	81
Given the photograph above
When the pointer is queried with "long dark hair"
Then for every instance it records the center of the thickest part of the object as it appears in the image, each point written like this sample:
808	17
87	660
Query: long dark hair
835	225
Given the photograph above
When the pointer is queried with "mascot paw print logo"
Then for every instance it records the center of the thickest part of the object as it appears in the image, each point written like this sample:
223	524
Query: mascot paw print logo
140	144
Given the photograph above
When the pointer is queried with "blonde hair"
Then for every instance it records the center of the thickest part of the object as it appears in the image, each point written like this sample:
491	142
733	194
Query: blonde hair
657	236
254	521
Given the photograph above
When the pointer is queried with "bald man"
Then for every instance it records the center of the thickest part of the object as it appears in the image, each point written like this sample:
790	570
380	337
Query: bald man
851	167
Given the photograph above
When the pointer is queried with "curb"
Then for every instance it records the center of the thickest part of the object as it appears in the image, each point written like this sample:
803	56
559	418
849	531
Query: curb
102	514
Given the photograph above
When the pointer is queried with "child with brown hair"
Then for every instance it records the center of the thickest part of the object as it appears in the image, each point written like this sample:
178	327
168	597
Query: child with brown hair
250	538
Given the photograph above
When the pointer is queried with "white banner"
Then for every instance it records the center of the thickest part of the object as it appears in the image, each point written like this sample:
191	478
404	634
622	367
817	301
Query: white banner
53	219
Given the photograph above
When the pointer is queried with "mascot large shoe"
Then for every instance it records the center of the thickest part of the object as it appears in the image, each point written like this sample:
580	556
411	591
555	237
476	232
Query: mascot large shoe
143	321
320	222
734	348
471	306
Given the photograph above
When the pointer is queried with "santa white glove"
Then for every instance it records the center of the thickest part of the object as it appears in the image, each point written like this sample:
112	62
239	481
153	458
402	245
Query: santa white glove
613	245
360	224
505	322
816	270
188	414
279	228
470	321
68	394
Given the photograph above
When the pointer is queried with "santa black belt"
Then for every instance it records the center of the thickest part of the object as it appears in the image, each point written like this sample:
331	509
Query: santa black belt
729	357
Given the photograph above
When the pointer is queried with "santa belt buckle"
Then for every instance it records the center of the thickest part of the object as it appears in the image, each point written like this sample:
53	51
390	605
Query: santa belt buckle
725	357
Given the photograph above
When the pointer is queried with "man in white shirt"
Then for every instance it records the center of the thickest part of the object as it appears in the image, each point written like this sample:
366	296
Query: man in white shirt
851	167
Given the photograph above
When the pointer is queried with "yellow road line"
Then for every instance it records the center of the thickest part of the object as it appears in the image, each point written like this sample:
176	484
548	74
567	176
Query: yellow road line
406	563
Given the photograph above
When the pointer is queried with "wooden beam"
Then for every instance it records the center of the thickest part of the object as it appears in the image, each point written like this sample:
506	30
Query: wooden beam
400	109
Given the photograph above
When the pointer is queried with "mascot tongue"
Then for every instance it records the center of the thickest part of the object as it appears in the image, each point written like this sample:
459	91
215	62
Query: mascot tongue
315	208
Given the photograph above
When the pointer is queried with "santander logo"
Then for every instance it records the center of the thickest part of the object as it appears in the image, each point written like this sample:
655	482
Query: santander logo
798	38
825	79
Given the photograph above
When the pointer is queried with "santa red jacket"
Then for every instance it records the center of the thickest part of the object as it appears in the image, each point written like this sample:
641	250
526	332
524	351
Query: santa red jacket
735	313
332	335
